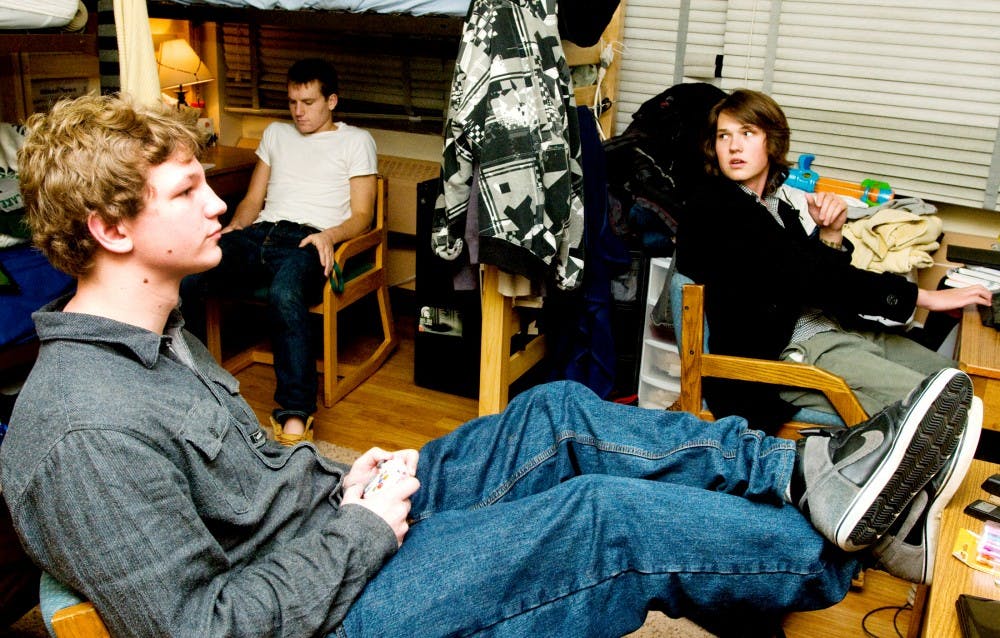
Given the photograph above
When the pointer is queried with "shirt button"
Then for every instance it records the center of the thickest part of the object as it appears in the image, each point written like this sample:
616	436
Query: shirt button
892	300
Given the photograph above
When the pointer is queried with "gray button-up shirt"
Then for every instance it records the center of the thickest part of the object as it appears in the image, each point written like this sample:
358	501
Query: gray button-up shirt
136	474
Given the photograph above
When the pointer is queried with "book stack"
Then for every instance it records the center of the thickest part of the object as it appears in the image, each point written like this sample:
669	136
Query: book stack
963	276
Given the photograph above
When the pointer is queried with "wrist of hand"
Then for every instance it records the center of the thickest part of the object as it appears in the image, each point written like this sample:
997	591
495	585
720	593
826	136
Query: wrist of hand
836	245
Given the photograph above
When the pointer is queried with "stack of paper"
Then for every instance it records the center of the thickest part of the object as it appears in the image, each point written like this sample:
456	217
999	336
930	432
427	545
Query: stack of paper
970	275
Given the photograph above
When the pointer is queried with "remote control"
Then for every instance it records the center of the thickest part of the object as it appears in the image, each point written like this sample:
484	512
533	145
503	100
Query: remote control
389	472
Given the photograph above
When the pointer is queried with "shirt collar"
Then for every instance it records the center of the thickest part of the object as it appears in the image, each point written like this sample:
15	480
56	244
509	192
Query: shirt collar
52	323
770	202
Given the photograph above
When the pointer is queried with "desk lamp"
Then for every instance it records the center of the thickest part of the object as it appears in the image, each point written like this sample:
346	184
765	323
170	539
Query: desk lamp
178	66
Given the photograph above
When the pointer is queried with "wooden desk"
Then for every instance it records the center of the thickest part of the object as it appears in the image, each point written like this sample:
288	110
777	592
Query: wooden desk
951	576
979	356
230	172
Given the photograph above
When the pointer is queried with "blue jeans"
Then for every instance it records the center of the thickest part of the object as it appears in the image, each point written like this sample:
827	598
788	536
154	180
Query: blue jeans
267	255
569	515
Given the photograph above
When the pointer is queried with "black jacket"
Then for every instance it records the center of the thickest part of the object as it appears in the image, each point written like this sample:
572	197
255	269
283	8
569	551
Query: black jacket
759	278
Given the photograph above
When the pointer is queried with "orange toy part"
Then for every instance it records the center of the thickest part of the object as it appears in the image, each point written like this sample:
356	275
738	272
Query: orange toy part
870	191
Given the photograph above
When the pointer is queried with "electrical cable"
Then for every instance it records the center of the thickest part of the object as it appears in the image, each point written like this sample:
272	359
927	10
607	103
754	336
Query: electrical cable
895	618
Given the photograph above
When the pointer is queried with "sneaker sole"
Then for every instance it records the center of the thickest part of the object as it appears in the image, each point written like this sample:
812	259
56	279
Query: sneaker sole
955	474
927	439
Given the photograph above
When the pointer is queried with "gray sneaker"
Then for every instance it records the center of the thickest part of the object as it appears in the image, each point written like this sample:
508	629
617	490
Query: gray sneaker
855	482
907	550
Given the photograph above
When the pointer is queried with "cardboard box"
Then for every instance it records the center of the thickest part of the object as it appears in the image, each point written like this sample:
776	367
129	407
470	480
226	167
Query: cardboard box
404	174
401	267
928	278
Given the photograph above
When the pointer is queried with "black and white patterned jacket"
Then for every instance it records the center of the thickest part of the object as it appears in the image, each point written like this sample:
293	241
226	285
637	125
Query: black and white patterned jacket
512	128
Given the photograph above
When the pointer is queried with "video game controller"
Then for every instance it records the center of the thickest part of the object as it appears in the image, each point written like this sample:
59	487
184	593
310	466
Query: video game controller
389	472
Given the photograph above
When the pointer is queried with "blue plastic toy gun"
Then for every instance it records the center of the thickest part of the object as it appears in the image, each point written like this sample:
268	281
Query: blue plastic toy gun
870	191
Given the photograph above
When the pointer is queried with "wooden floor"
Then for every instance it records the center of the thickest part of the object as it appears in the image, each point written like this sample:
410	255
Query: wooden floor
389	411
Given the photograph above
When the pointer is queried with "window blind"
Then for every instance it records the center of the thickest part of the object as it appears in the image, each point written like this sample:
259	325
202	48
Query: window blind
389	76
906	91
647	62
667	42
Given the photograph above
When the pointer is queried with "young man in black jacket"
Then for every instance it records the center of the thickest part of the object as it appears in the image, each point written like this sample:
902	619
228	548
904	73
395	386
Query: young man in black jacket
772	292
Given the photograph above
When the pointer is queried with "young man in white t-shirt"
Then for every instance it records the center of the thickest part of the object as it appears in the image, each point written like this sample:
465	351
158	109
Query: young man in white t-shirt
313	187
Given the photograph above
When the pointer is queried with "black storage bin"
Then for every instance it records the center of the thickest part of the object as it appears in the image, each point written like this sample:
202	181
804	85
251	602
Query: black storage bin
449	322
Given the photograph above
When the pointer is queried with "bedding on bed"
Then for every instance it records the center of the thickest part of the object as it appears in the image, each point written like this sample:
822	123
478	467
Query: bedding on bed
27	279
33	283
409	7
36	14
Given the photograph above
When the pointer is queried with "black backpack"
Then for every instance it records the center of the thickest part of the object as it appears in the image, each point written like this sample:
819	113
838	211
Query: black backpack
658	160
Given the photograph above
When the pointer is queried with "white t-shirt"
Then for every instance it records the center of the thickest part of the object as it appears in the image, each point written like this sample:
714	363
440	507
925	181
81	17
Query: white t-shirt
310	174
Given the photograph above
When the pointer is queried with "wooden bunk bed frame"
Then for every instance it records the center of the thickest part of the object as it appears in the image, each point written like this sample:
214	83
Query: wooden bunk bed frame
499	366
386	23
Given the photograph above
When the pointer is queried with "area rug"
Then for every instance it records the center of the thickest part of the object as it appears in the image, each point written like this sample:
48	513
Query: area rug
657	625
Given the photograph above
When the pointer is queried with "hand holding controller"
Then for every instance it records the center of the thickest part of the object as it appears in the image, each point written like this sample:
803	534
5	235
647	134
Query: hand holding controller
388	472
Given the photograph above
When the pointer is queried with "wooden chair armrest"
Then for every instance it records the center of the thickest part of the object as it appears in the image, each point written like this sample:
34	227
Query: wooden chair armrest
374	235
79	621
788	373
356	245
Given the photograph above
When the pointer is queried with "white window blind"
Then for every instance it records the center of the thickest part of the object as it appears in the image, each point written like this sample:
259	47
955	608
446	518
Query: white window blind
659	33
647	62
906	91
388	76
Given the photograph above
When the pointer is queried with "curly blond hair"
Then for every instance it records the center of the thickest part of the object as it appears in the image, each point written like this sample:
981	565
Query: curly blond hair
92	156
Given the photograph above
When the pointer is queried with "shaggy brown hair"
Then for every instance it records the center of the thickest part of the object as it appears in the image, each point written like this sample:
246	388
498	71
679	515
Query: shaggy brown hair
92	156
760	110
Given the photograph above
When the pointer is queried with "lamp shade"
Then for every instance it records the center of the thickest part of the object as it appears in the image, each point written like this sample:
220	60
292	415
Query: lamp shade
179	65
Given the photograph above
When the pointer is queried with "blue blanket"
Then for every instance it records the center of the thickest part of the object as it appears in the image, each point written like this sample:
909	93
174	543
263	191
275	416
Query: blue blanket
36	283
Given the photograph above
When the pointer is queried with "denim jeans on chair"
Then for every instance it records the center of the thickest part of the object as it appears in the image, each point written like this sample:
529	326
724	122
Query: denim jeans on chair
267	254
571	516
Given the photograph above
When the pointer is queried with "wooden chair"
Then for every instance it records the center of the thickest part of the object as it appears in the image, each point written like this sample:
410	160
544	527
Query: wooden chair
361	263
79	621
688	309
499	366
65	613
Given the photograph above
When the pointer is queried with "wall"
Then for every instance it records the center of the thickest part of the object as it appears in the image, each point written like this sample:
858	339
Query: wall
972	221
412	145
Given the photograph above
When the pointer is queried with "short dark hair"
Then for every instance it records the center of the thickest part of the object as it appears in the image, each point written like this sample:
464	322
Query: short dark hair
760	110
314	70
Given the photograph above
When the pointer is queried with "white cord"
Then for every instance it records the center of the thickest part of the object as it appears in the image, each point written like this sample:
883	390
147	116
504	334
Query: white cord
607	56
753	23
